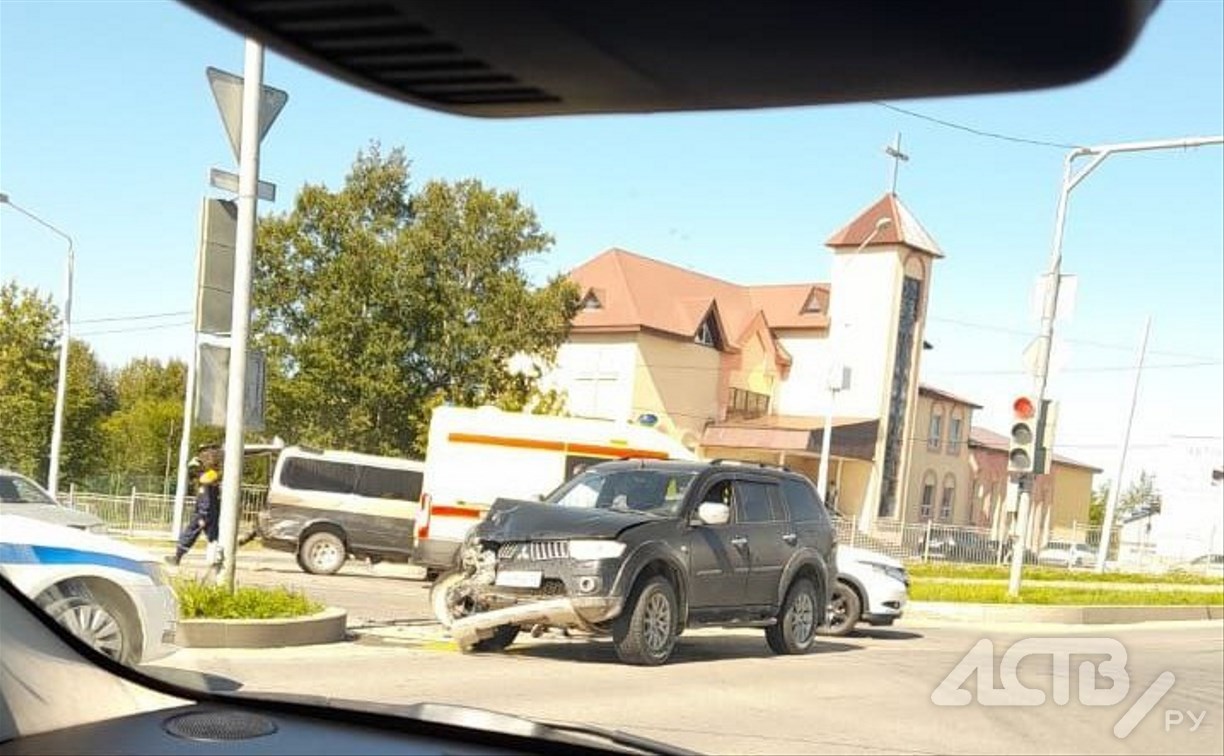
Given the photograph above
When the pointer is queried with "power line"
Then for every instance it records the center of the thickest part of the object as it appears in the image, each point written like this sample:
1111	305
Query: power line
155	327
1083	342
147	316
975	131
1102	369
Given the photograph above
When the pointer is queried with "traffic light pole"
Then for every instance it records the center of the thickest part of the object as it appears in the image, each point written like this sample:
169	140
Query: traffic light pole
1071	179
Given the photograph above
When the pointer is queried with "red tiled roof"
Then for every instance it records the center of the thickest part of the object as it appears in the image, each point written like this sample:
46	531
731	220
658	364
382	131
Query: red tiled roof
904	228
987	439
638	292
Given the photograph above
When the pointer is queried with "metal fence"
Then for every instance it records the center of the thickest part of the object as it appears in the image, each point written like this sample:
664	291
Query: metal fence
1075	546
151	515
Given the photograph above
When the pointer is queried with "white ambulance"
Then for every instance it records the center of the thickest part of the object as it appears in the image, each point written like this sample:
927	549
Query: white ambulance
475	456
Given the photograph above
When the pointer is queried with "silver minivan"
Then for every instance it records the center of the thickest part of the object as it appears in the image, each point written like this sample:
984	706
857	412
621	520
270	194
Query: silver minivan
326	506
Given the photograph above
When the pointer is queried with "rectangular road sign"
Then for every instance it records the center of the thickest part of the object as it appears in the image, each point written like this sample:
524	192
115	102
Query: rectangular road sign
212	387
215	296
228	182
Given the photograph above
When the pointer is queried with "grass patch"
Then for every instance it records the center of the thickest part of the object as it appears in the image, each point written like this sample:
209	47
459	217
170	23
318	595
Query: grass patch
199	599
1001	572
982	593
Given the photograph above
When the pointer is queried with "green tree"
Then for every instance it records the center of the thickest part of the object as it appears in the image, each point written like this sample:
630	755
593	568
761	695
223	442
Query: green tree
1096	509
89	399
142	434
1140	494
28	332
377	302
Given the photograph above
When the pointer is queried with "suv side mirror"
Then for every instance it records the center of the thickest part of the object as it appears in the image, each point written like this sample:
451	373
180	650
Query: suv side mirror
714	513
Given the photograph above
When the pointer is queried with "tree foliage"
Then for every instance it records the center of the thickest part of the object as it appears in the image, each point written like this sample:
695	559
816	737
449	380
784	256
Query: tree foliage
377	302
28	332
1140	494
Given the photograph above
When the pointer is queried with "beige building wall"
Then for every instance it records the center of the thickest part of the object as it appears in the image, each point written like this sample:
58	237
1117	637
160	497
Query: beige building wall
678	381
940	461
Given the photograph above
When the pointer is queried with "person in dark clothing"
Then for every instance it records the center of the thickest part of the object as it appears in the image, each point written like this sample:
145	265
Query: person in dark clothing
206	517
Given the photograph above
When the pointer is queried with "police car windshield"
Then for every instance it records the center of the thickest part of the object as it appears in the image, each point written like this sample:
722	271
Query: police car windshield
14	490
654	492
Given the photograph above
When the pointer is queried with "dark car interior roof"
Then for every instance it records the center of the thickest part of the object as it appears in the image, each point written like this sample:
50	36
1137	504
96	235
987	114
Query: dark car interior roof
505	58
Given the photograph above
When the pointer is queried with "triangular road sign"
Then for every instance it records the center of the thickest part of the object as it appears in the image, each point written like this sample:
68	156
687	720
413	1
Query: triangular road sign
227	91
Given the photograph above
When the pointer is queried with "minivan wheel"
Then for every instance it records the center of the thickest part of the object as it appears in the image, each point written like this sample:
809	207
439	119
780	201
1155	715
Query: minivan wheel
795	630
646	635
845	609
323	553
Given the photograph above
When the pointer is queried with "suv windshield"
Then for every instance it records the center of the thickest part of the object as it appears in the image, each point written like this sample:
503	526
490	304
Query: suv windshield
654	492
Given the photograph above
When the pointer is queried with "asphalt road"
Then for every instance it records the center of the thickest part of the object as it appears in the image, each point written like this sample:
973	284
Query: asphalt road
723	692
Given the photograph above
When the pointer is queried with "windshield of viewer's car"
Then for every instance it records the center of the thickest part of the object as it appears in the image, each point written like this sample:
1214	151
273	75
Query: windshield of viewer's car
619	309
655	492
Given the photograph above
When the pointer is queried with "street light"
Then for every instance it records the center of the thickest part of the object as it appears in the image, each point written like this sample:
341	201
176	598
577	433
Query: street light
822	483
57	428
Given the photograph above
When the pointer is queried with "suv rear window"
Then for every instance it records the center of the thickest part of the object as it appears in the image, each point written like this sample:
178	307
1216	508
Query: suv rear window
755	503
801	498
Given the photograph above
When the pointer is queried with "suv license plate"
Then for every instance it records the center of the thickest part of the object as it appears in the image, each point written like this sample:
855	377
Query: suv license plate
520	578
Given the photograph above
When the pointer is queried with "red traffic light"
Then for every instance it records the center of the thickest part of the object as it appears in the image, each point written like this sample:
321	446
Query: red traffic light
1023	408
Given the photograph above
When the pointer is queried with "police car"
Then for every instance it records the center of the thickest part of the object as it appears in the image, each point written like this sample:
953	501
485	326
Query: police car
111	595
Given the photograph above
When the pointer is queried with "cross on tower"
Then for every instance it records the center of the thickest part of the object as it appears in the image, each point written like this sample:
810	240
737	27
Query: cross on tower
894	152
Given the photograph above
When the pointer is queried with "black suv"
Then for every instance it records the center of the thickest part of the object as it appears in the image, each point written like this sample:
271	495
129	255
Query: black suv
641	550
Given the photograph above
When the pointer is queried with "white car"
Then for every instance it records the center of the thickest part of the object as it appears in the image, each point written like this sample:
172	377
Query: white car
871	588
111	595
1065	554
21	496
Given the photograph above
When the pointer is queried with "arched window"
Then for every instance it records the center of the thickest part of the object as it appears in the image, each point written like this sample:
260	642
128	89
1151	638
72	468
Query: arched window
947	501
928	496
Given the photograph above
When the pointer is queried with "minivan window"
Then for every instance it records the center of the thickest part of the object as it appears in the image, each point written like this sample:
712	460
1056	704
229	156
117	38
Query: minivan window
384	483
319	475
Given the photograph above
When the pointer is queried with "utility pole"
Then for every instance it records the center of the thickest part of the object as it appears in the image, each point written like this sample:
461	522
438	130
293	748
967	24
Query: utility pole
244	252
1071	179
1111	506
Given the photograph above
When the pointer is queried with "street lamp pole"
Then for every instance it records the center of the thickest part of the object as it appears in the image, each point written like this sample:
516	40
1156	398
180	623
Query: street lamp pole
57	427
1041	373
826	442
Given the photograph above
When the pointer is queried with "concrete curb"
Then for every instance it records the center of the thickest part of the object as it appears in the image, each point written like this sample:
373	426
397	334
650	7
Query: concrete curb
328	626
1064	615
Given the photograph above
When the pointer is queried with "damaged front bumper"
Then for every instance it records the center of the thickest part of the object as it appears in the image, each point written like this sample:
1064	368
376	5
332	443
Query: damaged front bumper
580	613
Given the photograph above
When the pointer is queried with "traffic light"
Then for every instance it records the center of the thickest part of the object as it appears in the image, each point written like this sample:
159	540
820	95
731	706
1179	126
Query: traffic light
1022	451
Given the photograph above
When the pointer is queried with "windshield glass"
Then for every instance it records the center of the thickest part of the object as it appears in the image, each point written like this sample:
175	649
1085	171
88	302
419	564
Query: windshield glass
14	490
654	492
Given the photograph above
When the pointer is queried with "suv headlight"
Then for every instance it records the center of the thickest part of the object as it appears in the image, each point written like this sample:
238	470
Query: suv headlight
896	573
586	550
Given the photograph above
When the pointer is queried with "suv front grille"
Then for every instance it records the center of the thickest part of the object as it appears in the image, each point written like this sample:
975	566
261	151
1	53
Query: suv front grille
534	551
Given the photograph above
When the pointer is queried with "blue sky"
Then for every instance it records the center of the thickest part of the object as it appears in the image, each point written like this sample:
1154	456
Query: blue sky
108	129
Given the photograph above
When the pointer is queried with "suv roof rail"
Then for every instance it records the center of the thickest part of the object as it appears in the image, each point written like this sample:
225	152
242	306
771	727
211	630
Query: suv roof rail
745	463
